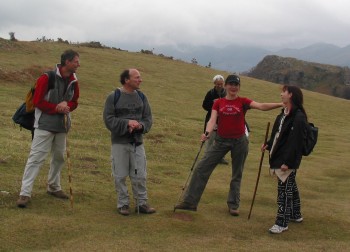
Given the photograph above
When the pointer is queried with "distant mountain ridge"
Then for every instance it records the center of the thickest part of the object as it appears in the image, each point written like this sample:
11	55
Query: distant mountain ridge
322	78
238	58
320	53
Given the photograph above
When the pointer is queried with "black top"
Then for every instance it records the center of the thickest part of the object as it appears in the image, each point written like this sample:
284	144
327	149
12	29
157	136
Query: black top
209	101
288	148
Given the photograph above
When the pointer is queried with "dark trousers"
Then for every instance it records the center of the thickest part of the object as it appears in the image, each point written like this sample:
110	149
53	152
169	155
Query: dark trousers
213	155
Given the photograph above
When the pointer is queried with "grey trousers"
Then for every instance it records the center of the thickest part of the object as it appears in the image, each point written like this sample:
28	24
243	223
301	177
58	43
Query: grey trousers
211	139
44	142
213	155
129	161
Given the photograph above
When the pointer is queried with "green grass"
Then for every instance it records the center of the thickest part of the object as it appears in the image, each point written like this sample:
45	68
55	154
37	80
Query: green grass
175	90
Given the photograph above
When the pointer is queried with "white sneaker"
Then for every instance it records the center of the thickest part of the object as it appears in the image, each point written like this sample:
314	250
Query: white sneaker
277	229
297	220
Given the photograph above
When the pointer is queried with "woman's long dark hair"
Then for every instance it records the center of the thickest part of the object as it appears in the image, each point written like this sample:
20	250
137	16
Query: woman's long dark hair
297	97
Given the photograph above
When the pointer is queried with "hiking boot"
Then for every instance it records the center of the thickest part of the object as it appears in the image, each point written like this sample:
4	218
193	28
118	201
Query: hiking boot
124	210
23	201
145	209
59	194
223	161
298	220
277	229
185	206
234	212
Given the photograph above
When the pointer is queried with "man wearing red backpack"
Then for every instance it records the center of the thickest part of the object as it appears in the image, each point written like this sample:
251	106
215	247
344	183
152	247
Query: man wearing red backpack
52	122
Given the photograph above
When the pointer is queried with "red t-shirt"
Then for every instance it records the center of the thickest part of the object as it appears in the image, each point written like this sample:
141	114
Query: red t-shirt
231	116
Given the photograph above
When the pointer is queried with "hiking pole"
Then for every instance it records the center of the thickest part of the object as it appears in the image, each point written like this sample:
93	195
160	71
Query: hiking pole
189	175
68	163
135	170
261	161
137	179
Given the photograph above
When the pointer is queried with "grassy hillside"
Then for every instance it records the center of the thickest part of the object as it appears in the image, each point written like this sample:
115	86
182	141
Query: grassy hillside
175	90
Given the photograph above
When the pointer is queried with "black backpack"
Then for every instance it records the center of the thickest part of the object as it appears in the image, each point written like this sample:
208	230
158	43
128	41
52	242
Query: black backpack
310	138
24	118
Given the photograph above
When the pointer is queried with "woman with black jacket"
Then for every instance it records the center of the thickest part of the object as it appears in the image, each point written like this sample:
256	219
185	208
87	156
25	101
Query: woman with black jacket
285	147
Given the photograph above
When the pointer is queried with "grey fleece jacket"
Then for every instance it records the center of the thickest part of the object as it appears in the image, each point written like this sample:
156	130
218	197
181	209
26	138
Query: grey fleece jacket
129	107
62	91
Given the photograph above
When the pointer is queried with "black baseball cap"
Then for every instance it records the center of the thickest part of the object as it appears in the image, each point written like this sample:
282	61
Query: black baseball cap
232	78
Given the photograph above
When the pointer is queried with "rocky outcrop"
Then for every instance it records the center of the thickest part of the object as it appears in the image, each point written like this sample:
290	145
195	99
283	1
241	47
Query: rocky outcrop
327	79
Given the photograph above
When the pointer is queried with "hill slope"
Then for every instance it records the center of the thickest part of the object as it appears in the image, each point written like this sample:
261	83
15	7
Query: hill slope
175	90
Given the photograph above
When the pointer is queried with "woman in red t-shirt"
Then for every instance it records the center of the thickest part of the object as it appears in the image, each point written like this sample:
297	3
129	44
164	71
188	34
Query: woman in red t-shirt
229	114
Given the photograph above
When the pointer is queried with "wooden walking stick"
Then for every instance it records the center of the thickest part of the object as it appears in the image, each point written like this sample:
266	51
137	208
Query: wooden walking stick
68	163
261	161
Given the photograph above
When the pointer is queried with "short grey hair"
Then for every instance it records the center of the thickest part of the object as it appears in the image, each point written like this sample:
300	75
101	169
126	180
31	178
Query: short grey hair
218	77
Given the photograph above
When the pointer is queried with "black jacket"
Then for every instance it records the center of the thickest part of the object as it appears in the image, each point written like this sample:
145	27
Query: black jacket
209	101
289	144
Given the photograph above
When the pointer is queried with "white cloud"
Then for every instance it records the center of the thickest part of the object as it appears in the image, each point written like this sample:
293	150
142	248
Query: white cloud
268	23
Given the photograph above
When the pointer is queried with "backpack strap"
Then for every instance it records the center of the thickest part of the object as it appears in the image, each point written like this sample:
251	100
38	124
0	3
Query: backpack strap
52	77
117	95
142	96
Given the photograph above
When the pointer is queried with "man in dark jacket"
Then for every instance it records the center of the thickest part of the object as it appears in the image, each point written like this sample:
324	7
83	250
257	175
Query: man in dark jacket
215	93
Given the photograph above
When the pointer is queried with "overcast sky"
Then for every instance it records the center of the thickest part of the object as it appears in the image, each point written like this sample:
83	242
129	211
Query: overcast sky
146	24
